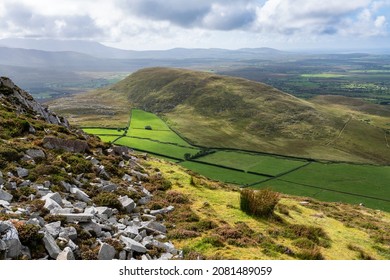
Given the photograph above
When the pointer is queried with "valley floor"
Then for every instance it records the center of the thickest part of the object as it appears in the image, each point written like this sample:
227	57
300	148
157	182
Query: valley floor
324	180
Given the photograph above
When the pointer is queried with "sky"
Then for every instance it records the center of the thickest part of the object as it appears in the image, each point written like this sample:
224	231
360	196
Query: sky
229	24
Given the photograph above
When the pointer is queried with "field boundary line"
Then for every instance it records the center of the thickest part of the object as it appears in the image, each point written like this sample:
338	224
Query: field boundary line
160	142
340	133
336	191
279	175
230	168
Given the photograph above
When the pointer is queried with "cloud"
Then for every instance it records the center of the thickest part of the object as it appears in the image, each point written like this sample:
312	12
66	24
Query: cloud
171	23
320	17
206	14
19	20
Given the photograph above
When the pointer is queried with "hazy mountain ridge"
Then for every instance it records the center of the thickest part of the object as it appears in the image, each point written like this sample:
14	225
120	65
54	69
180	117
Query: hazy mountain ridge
101	51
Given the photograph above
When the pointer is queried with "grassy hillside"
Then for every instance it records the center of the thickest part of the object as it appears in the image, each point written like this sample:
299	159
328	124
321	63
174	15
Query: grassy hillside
208	223
220	111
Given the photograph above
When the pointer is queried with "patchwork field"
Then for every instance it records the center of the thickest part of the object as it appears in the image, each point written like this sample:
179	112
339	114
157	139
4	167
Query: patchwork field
157	128
339	182
223	174
155	147
270	165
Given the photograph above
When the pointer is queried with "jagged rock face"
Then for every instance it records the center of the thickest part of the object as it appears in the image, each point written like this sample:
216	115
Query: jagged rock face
65	196
25	103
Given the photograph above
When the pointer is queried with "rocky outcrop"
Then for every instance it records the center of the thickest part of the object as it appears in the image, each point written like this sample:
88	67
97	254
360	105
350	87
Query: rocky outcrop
25	103
63	198
73	146
127	231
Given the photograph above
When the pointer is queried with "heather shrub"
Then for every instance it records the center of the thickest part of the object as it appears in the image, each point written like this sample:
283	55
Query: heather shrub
107	199
258	203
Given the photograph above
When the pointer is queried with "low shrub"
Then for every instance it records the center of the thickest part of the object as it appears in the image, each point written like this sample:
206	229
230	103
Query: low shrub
182	234
22	193
107	199
77	164
361	254
214	240
304	243
259	203
310	254
177	197
310	232
28	233
55	218
8	154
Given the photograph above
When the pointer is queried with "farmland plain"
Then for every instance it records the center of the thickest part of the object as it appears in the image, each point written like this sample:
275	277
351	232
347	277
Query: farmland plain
327	181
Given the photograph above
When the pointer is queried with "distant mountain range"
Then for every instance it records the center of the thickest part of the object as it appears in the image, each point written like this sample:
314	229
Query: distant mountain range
101	51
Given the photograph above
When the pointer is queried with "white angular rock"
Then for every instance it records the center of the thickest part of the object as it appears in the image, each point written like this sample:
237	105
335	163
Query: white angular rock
50	204
131	231
106	252
163	210
51	245
148	217
109	188
35	153
127	178
122	255
5	196
83	218
144	200
53	228
4	203
80	195
22	172
132	245
127	203
93	227
58	211
90	210
104	211
80	205
70	232
11	239
154	227
72	245
54	196
166	256
138	238
65	255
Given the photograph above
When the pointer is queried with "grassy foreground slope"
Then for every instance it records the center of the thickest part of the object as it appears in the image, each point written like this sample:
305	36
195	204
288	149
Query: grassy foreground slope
208	222
220	111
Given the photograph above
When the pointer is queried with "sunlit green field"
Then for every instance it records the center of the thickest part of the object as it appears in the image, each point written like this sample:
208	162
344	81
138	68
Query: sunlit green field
269	165
338	182
154	147
350	183
222	174
104	131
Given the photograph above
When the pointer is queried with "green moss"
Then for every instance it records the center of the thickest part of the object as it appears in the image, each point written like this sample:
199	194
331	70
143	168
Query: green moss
77	163
8	154
22	193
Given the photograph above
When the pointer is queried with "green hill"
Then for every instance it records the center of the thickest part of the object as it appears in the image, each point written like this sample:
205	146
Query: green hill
220	111
66	195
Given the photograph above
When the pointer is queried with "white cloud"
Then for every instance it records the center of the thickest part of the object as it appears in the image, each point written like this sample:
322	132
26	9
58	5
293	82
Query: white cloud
171	23
320	17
